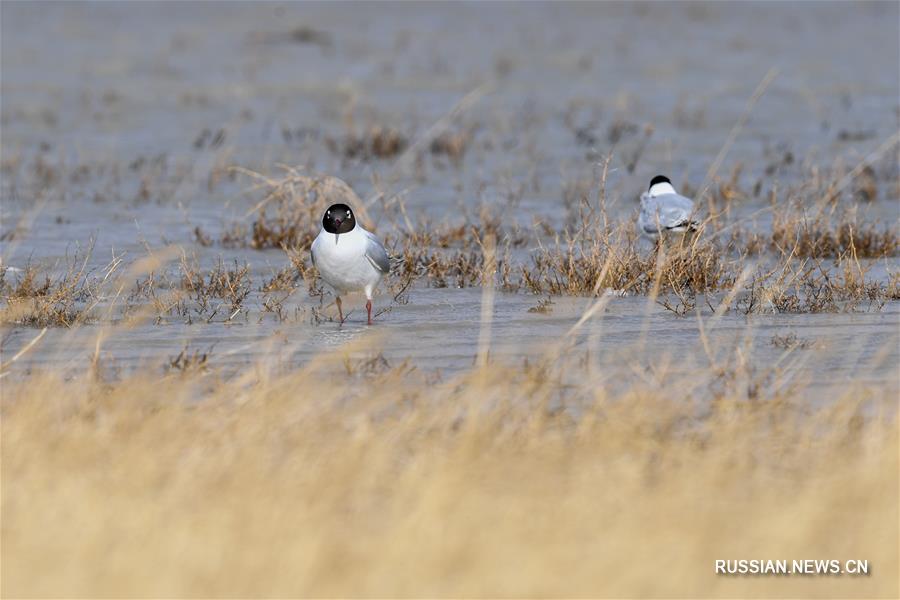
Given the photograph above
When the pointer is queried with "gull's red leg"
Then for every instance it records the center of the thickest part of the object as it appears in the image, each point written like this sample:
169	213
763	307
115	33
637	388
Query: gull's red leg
369	310
337	301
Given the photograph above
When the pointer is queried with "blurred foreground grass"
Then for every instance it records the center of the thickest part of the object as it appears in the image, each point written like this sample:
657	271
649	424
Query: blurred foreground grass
356	478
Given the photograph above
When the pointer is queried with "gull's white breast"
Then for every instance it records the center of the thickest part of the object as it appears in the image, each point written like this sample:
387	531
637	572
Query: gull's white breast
342	260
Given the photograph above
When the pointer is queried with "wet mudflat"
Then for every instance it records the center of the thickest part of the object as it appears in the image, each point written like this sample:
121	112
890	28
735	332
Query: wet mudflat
146	138
438	331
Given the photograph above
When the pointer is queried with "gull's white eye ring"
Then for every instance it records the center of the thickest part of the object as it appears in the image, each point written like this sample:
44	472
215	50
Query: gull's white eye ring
348	214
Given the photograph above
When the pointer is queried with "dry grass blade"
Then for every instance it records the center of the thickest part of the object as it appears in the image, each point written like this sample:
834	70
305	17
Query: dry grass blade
489	246
25	350
735	131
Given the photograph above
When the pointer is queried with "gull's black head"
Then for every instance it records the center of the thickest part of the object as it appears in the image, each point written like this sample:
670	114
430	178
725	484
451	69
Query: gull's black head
659	179
338	219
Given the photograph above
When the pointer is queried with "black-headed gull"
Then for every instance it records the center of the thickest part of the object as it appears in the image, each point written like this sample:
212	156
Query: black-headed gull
349	258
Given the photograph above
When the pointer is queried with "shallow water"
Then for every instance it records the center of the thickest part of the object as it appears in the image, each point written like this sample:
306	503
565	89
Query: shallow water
137	93
438	331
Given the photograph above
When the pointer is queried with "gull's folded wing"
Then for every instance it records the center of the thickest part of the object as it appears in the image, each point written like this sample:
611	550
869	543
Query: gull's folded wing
376	254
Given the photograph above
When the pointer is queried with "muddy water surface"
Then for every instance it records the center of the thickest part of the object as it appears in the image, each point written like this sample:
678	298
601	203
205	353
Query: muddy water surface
120	120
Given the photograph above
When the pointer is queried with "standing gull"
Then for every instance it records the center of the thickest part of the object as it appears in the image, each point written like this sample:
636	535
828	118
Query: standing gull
349	258
664	210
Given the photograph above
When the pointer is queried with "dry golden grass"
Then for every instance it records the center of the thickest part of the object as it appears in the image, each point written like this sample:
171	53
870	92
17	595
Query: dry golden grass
829	235
351	478
614	262
35	298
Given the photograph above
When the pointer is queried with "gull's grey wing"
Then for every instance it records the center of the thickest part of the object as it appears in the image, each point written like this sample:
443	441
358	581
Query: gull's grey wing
668	211
312	250
376	254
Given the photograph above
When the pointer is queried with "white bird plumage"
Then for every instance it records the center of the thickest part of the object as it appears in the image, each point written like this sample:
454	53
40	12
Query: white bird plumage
8	269
665	210
350	262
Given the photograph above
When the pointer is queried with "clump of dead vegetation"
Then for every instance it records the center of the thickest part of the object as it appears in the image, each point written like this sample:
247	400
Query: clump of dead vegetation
791	341
289	214
188	361
36	298
453	145
231	284
810	286
282	229
615	262
826	235
219	293
373	143
453	255
301	34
